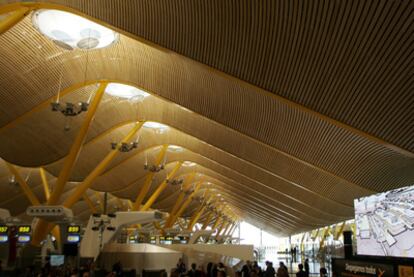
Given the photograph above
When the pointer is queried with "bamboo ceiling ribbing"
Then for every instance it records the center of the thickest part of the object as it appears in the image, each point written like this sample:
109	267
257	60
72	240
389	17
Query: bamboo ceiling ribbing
343	132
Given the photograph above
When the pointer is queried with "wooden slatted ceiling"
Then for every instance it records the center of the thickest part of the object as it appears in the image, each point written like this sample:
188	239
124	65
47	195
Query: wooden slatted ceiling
349	60
279	145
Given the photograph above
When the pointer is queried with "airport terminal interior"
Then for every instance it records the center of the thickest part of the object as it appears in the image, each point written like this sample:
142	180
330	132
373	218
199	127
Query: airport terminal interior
206	138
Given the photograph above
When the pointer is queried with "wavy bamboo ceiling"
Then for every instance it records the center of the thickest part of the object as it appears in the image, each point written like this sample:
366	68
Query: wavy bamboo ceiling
289	109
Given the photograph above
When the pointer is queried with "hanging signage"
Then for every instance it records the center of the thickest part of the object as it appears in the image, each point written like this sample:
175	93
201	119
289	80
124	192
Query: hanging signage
153	240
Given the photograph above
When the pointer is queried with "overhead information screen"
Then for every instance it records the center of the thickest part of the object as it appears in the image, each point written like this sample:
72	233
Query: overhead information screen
73	229
23	233
4	236
385	223
24	229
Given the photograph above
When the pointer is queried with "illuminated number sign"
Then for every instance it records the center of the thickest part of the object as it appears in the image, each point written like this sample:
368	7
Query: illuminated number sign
74	229
4	229
24	229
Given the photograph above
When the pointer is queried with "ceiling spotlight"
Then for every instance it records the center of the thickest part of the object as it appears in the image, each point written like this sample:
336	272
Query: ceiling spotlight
175	182
125	91
124	146
70	31
154	168
70	109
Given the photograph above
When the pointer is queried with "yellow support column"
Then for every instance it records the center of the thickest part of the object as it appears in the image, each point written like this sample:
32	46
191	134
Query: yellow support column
169	222
148	180
25	187
195	218
42	228
161	188
46	187
184	205
81	189
339	231
14	18
207	220
71	158
89	203
325	234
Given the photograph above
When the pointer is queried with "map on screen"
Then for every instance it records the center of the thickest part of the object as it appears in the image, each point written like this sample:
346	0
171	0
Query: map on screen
385	223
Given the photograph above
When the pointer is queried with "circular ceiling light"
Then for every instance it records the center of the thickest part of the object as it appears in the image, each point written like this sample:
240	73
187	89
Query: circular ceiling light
71	31
175	148
157	127
126	91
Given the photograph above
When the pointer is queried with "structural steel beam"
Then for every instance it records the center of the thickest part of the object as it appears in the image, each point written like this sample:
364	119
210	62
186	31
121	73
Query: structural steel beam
45	183
195	218
89	202
179	200
339	231
71	158
81	189
25	187
161	188
15	17
186	203
148	180
42	228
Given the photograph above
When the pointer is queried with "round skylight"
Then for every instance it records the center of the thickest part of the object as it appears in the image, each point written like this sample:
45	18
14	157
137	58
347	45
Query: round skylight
189	164
175	148
126	91
155	126
71	31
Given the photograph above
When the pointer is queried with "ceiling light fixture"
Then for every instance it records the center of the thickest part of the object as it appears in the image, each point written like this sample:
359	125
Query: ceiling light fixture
70	31
125	91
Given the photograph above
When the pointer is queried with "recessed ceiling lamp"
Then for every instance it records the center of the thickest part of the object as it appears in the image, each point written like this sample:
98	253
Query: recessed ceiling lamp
70	31
187	163
158	127
175	148
126	91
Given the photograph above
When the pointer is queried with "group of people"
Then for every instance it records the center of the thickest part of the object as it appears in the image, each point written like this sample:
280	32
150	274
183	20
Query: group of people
213	270
254	270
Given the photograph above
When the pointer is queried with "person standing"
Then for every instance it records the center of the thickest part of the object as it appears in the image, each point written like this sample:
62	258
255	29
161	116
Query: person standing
300	273
270	271
306	264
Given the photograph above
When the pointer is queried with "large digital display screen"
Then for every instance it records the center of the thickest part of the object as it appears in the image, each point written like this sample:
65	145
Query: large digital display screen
385	223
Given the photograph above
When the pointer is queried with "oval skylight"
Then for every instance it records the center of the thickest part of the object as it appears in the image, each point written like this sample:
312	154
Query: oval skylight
71	31
175	148
155	125
188	163
126	91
